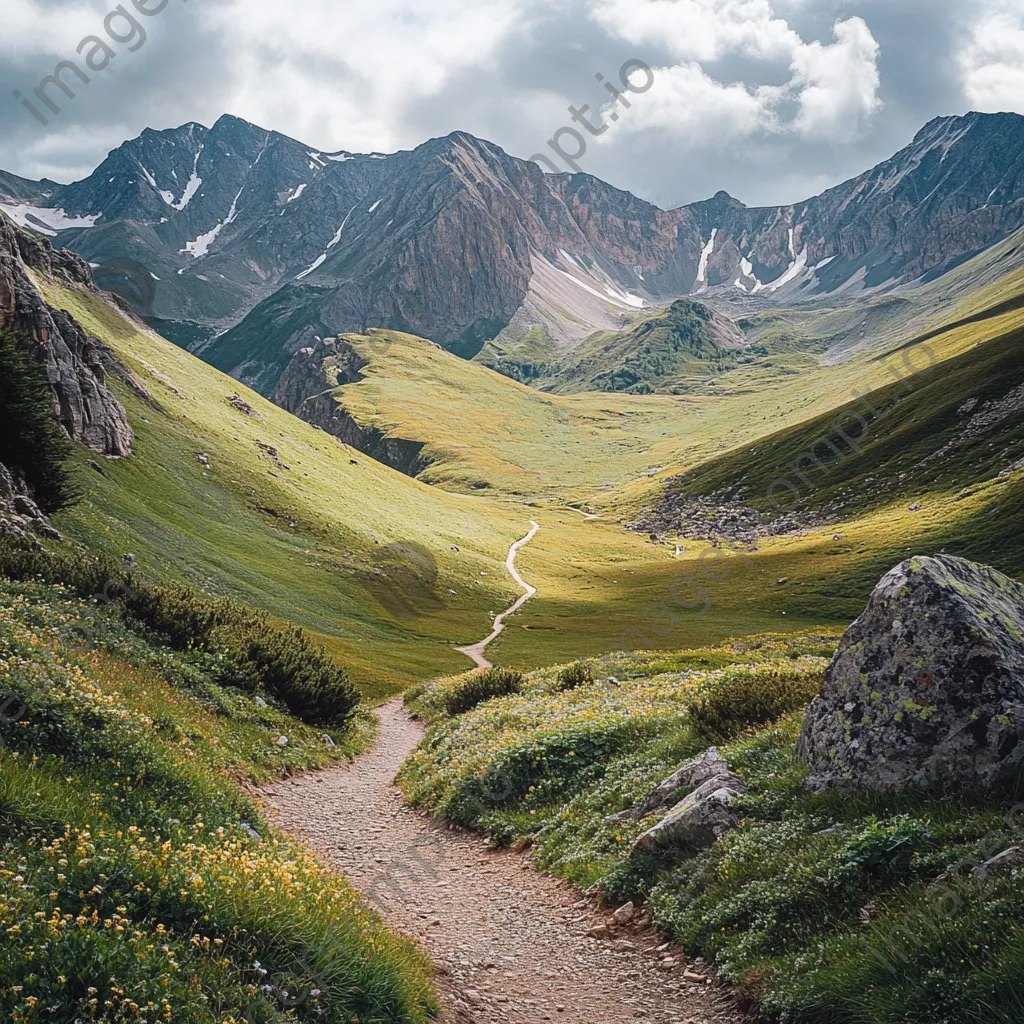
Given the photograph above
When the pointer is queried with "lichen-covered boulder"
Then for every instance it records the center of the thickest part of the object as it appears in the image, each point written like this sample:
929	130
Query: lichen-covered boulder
927	686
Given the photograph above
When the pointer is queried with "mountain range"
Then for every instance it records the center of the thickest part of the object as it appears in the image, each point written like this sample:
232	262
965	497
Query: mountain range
246	246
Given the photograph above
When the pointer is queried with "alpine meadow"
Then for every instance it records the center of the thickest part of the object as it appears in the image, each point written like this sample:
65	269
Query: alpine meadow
437	586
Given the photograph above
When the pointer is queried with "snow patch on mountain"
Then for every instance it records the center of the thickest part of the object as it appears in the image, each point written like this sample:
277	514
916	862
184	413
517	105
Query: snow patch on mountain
167	197
46	221
190	190
200	246
319	261
322	258
705	256
298	192
796	268
337	237
620	297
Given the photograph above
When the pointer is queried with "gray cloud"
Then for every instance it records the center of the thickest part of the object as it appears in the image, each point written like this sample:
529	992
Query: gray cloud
393	75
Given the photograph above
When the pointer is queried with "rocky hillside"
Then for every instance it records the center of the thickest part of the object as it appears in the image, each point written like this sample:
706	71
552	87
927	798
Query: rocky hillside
250	245
76	363
307	389
75	367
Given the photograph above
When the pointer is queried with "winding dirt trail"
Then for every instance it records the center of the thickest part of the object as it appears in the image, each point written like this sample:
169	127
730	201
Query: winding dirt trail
476	651
510	944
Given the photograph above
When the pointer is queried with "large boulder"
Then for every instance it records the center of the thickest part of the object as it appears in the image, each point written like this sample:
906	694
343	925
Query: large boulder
927	686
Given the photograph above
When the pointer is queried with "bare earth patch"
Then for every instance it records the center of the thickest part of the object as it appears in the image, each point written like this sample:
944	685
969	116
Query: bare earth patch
510	943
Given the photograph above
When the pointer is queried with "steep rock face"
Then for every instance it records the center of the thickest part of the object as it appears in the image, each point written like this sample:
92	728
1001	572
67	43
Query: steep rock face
927	686
308	388
76	364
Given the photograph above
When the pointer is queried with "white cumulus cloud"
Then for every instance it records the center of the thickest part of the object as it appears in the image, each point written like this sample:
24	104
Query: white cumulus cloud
837	85
832	91
992	62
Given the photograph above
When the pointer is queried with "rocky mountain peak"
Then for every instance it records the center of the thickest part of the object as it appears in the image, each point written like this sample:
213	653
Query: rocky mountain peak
251	242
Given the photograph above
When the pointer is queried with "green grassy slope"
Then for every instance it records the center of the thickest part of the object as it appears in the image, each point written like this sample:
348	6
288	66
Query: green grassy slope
137	881
950	430
317	534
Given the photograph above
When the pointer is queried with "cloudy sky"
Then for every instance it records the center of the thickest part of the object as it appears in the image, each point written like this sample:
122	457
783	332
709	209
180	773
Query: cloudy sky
772	100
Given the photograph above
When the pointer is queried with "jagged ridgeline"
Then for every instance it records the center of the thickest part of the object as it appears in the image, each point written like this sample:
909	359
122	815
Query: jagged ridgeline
252	244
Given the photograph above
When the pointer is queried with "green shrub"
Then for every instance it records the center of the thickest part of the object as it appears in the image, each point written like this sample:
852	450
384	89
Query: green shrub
472	690
31	442
252	651
300	675
738	699
573	676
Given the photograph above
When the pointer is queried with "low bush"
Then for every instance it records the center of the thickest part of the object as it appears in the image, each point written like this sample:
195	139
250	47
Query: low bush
573	676
252	653
741	698
474	689
300	675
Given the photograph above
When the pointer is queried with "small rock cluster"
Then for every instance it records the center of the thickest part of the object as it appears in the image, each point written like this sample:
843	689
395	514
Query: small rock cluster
272	453
990	413
239	404
715	518
697	797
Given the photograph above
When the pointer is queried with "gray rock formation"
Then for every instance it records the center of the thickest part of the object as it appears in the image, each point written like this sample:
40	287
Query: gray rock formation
685	780
76	364
698	819
309	389
20	516
927	686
